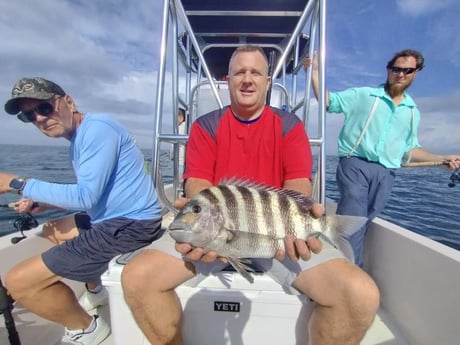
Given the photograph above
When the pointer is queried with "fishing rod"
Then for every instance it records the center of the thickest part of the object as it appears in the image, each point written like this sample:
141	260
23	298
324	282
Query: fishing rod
10	205
424	164
454	178
6	305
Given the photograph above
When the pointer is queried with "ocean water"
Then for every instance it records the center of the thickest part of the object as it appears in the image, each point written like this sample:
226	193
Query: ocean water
421	200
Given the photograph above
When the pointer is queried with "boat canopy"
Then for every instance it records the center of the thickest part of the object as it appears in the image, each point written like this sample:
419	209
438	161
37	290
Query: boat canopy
221	26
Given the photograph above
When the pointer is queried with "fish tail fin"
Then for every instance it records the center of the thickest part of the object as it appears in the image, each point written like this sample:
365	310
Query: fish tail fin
240	265
342	227
345	225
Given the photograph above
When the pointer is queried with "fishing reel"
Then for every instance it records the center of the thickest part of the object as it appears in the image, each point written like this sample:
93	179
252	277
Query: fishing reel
22	223
454	178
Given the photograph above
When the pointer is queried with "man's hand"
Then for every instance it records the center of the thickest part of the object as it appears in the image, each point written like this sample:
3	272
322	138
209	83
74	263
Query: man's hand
28	205
180	203
454	162
307	62
198	254
298	248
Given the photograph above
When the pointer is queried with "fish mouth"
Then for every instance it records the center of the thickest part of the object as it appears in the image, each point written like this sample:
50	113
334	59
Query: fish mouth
181	232
179	226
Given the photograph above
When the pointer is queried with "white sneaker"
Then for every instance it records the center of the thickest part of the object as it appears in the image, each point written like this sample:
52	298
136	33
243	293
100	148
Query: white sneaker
91	300
79	337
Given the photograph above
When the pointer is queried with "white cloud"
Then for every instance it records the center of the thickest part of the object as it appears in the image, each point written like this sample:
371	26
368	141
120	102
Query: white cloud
440	123
105	54
423	7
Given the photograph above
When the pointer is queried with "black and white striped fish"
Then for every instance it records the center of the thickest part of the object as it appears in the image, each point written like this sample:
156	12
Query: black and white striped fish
245	220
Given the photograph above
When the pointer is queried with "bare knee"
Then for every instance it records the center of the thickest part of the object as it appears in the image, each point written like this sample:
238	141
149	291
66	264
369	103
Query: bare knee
346	306
13	283
362	298
151	272
133	276
139	270
145	272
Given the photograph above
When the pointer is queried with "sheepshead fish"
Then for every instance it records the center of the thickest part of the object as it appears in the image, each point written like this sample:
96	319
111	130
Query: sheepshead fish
247	220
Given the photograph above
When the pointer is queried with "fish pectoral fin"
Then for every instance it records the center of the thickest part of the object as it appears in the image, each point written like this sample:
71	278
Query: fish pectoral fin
340	243
241	266
241	235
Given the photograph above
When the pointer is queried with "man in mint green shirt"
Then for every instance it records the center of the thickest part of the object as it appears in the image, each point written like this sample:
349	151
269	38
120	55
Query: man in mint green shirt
378	134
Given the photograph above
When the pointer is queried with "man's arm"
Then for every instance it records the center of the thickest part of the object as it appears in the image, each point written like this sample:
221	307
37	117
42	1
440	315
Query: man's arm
301	185
420	155
307	62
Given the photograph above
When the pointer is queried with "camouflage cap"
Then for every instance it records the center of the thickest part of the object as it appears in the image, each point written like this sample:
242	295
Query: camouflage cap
37	88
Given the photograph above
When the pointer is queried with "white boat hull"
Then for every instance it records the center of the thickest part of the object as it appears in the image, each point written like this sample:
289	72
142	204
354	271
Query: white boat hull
419	281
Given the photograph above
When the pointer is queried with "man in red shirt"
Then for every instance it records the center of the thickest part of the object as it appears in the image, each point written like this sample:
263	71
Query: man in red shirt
250	140
269	149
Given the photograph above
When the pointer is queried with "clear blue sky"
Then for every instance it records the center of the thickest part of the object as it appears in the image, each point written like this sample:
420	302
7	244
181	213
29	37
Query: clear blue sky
105	55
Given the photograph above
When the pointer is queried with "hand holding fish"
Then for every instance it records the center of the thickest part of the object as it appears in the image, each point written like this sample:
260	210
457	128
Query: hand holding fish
246	220
294	248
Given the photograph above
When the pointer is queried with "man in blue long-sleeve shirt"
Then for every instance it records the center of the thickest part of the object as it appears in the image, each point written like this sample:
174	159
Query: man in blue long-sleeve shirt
114	190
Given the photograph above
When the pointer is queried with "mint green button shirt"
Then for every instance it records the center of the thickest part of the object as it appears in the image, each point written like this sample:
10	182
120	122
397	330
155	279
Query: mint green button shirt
392	131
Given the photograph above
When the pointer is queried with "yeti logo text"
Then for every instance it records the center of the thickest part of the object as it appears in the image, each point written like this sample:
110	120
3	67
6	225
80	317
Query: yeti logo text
227	306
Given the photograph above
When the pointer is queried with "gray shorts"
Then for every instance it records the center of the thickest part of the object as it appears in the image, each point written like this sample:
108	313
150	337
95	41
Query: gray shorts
85	257
284	272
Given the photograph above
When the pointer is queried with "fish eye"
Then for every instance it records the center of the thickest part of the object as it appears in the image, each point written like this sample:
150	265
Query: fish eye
196	208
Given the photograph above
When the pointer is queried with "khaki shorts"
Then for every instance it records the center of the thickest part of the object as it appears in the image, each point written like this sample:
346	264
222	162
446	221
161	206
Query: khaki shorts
284	272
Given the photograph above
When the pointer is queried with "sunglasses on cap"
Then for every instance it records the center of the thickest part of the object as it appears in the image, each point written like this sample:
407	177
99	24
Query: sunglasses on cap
43	109
405	70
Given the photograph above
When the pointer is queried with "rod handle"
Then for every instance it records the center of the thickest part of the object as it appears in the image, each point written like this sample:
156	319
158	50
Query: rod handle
424	164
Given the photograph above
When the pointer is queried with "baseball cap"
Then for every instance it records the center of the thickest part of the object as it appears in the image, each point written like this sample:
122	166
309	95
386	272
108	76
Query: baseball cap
36	88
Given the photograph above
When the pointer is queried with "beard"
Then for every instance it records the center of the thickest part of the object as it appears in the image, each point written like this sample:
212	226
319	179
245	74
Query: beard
395	89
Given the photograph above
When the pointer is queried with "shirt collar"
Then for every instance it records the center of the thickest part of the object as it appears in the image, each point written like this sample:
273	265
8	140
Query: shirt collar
380	92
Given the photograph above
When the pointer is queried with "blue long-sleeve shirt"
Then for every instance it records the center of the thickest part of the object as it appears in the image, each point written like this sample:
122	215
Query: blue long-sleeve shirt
111	178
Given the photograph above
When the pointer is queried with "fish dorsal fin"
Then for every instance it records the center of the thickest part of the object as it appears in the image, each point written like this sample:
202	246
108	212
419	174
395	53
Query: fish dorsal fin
238	182
300	198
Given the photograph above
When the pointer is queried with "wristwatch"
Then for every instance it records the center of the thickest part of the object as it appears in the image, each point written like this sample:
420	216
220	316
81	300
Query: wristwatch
17	185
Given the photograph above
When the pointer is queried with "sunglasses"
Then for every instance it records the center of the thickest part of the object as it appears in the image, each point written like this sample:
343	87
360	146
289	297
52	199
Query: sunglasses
405	70
44	109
